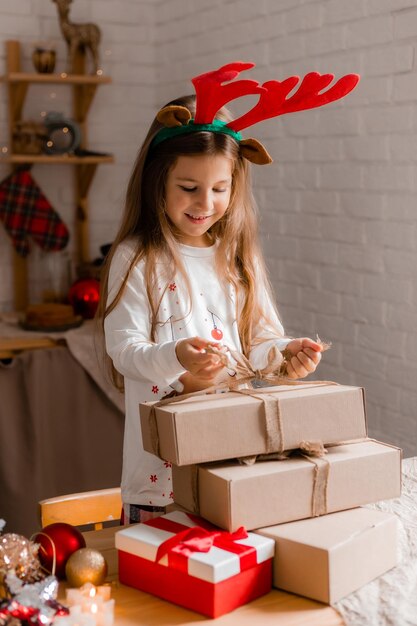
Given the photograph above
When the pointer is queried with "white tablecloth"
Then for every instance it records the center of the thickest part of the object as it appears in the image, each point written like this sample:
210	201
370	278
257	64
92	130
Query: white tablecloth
391	600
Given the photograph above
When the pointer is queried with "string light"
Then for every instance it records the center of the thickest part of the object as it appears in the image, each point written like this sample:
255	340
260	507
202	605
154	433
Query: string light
108	52
43	113
64	75
99	72
52	95
5	149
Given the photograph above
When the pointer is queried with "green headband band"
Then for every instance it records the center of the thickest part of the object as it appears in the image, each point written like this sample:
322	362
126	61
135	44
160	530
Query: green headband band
217	126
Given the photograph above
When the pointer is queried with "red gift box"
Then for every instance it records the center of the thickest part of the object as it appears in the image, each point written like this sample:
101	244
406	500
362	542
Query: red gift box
184	559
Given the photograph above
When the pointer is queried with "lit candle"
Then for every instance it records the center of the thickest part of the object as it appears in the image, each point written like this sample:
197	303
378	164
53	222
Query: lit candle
90	602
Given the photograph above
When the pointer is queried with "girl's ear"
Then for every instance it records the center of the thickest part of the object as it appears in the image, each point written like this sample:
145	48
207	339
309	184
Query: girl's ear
254	151
174	115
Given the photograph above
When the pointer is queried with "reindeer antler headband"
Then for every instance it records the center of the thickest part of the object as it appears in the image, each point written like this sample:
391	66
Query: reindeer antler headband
214	90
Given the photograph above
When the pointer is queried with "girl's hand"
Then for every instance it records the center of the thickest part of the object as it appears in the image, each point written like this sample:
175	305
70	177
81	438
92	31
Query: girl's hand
192	355
306	355
193	383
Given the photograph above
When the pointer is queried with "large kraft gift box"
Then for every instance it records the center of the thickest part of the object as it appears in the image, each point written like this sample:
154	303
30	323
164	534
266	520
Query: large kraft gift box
228	425
273	492
185	560
329	557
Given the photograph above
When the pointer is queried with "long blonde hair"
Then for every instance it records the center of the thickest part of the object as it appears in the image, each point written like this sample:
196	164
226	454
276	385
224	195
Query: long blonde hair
238	259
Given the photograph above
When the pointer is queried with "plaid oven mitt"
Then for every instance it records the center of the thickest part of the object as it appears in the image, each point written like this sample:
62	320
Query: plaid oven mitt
25	211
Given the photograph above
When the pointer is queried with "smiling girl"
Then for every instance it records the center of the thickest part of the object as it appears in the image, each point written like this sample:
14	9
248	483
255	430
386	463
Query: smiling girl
185	273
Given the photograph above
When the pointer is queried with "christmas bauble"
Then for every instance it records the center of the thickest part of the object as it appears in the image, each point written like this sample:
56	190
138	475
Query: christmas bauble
86	566
19	555
65	538
84	296
217	334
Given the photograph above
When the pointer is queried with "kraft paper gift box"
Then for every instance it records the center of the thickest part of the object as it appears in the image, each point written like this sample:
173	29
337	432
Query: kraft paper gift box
221	426
329	557
234	570
273	492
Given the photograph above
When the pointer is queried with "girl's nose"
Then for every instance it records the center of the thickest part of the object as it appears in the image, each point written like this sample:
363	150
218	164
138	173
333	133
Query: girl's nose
205	200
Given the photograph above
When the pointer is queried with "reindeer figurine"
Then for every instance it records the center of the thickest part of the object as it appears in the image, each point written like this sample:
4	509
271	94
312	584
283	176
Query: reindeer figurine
84	36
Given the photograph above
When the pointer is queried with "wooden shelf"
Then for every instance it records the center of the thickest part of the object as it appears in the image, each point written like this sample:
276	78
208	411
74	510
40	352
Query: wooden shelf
65	159
58	79
83	87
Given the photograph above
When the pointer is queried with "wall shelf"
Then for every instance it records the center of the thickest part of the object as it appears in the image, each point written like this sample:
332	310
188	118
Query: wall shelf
64	159
83	87
57	79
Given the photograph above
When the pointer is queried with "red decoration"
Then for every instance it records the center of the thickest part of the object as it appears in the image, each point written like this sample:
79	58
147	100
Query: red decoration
217	334
195	588
66	539
84	295
214	90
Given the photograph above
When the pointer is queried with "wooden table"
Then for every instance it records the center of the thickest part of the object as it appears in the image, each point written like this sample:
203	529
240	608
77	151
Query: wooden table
277	608
136	608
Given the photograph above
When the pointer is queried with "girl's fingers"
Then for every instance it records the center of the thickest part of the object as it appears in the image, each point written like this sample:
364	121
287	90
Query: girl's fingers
206	360
299	368
306	342
303	364
309	362
291	373
200	344
209	372
313	355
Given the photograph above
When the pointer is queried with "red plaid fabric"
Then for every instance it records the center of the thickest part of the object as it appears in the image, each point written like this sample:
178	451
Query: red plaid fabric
25	211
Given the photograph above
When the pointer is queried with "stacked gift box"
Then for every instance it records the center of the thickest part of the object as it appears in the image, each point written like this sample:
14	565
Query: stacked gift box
291	464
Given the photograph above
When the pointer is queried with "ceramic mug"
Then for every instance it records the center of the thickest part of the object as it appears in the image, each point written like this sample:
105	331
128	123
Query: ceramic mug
44	60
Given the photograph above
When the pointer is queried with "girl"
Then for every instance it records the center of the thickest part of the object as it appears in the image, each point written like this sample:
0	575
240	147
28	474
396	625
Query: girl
185	273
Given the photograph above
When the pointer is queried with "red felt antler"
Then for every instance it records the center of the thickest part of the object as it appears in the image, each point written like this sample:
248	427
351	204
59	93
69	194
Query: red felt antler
274	102
211	94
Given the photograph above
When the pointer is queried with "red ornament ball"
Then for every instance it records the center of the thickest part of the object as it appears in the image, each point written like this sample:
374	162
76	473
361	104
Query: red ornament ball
217	334
66	539
84	295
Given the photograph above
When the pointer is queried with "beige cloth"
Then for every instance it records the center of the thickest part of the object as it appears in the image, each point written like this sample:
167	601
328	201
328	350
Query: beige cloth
59	434
83	343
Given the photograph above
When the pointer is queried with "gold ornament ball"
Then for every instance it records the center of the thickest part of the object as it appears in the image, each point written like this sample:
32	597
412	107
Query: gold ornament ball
86	566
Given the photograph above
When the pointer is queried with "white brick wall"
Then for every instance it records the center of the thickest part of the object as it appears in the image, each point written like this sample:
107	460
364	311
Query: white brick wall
338	206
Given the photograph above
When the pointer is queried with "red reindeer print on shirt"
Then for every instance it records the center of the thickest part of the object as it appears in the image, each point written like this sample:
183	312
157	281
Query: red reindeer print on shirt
172	286
153	478
155	389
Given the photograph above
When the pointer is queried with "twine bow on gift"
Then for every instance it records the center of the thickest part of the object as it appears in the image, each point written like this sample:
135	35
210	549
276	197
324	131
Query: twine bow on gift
244	373
242	370
274	373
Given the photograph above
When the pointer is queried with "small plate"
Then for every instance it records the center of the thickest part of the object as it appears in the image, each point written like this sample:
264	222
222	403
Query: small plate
78	320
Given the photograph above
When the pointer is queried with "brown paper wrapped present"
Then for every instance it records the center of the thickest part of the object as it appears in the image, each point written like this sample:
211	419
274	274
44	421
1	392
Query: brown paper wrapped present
211	427
273	492
328	557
